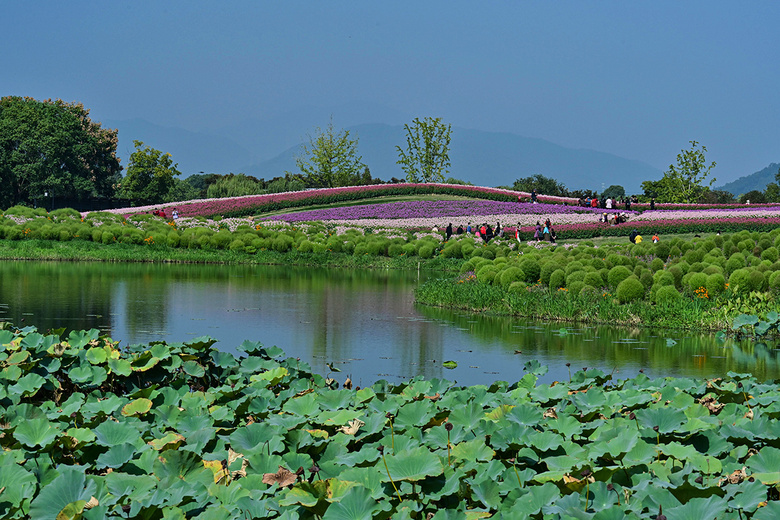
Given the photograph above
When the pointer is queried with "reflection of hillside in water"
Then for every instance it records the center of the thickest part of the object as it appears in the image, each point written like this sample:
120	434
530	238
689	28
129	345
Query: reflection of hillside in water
627	350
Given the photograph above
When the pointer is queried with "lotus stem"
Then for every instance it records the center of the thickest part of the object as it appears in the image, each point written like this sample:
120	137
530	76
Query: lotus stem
382	452
514	465
448	427
392	432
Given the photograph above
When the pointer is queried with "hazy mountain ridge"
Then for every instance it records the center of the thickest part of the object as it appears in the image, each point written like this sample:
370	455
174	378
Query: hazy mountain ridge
754	181
480	157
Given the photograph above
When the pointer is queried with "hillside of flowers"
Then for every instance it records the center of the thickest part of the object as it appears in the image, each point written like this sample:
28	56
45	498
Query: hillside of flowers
252	204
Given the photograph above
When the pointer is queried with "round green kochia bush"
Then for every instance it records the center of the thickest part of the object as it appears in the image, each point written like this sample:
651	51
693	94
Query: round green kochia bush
667	294
757	280
646	278
593	279
511	275
303	247
517	287
656	265
677	274
735	261
771	254
575	276
531	269
575	288
617	274
487	274
426	251
696	281
557	279
739	281
716	284
629	290
774	282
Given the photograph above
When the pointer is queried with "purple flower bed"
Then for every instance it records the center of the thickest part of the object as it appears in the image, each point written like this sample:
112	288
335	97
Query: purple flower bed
432	210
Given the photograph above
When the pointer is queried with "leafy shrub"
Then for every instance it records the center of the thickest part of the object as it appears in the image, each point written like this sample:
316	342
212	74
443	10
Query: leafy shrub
531	269
575	276
487	274
656	265
774	282
696	281
546	270
594	279
617	274
677	274
394	250
646	277
511	275
716	284
517	287
739	281
106	237
426	251
575	288
629	290
757	280
452	250
667	294
770	253
557	279
304	247
282	243
466	248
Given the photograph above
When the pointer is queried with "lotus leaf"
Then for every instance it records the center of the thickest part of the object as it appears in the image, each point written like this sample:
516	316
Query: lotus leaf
335	399
413	465
193	368
256	437
81	435
532	502
415	415
27	385
473	450
6	336
450	364
337	418
112	433
668	420
31	342
70	487
18	357
765	465
535	368
107	405
17	484
698	508
305	406
167	441
273	376
487	491
11	373
468	416
97	355
121	367
224	359
137	407
36	432
116	456
356	504
79	339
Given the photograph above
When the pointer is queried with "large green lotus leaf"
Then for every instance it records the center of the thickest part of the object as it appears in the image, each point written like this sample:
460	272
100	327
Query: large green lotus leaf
473	450
566	425
11	373
533	501
335	399
744	320
17	484
160	351
17	358
771	511
304	406
70	487
616	513
748	496
87	374
256	437
193	368
96	355
337	417
27	385
413	465
105	406
273	376
668	420
116	456
619	442
193	422
6	336
121	367
467	416
200	343
765	465
137	407
143	362
80	338
131	486
307	494
174	465
32	341
370	478
81	435
486	491
255	365
356	504
224	359
545	441
112	433
525	414
699	508
414	415
546	393
36	432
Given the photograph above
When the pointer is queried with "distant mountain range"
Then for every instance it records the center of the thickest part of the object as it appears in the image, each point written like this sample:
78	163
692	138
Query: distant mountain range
755	181
268	149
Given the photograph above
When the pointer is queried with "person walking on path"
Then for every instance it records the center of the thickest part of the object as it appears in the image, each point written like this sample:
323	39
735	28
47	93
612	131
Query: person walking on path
538	232
448	231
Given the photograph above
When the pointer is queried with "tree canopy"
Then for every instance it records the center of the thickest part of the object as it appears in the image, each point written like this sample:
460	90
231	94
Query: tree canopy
426	158
543	185
150	175
683	182
53	147
614	192
330	159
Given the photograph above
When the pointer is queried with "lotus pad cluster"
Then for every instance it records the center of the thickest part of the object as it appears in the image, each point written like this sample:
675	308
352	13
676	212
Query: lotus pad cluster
178	431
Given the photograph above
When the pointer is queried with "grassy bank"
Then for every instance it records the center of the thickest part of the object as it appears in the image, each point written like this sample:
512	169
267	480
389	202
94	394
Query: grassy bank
81	250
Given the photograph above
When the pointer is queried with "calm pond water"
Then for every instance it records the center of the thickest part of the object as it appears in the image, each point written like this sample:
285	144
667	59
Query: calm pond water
365	322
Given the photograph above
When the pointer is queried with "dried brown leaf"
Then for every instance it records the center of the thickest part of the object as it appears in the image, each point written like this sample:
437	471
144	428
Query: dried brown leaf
284	477
352	427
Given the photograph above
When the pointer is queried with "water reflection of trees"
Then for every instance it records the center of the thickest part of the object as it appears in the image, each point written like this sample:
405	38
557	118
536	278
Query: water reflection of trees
618	347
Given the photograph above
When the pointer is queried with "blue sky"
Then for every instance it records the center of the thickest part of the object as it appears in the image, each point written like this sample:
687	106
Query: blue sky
638	80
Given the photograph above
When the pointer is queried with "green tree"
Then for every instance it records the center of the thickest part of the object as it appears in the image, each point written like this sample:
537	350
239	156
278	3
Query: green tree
235	186
426	158
543	185
53	147
330	159
614	192
150	175
683	183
